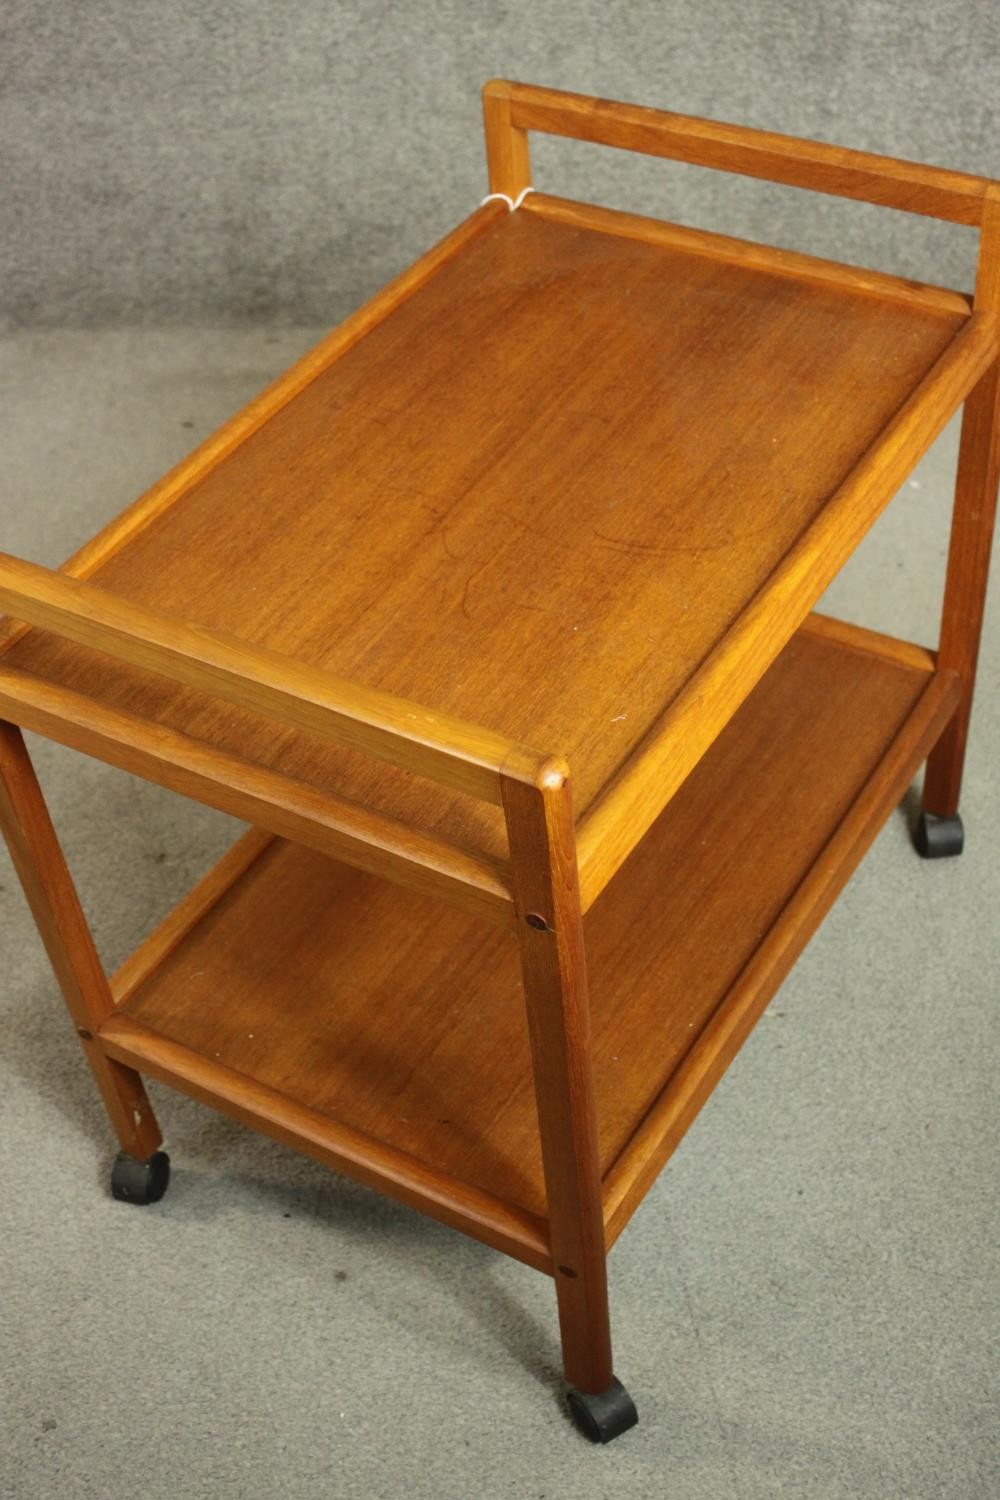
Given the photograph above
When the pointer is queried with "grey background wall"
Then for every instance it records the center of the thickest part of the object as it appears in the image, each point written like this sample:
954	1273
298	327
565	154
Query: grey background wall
202	159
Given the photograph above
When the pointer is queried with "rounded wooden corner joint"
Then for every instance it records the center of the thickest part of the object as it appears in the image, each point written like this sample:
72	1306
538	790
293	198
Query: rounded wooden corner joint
497	88
552	775
541	770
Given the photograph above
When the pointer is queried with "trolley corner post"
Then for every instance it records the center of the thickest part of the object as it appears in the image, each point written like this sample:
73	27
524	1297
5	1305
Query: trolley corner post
51	894
508	157
542	838
940	830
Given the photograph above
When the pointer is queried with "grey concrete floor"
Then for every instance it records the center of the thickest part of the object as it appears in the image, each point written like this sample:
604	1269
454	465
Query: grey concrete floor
806	1304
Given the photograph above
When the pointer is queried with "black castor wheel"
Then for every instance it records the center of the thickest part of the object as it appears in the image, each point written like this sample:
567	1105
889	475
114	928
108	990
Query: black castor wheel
938	838
604	1416
134	1181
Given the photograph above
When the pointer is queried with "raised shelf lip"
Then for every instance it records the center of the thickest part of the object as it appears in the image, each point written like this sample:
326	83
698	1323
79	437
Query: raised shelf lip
749	255
609	829
870	642
373	1163
626	1182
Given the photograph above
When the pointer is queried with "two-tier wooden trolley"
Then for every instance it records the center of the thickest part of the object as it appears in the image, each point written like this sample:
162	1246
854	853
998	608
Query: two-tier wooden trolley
560	499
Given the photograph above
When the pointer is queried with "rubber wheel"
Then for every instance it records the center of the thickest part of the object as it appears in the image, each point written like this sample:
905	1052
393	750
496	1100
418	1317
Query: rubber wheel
603	1417
134	1181
938	838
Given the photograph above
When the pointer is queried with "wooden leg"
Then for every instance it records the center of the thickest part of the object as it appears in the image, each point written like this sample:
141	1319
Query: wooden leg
965	589
543	861
971	539
55	906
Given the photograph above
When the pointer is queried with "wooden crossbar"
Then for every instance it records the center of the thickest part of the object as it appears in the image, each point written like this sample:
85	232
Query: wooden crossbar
516	108
462	756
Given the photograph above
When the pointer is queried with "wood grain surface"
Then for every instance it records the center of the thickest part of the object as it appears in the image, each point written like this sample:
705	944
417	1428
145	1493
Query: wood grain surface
677	741
973	522
405	1020
667	1121
374	1163
535	496
541	834
48	886
219	444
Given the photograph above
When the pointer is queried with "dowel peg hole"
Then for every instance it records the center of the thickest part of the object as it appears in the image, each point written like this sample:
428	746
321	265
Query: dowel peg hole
88	1036
538	922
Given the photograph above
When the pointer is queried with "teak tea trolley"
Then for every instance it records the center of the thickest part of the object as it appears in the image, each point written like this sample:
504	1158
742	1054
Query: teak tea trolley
580	477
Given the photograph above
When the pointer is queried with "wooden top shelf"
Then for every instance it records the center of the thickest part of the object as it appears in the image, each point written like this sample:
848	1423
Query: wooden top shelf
546	494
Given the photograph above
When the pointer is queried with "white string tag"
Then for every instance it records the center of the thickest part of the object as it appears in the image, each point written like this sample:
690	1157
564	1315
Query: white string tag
511	203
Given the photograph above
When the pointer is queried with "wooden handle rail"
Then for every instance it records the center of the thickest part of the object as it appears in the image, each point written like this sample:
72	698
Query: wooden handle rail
345	831
459	755
519	107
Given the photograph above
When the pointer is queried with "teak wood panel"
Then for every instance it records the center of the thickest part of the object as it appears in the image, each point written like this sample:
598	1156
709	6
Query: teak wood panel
534	496
188	912
718	1042
120	531
685	730
405	1020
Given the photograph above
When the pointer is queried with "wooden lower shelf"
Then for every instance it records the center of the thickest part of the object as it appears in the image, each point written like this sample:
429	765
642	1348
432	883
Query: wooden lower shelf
385	1033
